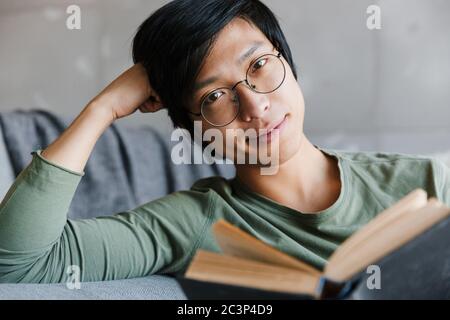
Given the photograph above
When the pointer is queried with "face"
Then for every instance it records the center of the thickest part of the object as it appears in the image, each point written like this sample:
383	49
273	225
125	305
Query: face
235	50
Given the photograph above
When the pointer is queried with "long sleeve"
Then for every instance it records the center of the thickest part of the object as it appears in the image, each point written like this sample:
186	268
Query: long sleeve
37	201
444	177
38	243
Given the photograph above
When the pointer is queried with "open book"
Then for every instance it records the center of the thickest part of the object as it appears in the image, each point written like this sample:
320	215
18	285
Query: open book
250	268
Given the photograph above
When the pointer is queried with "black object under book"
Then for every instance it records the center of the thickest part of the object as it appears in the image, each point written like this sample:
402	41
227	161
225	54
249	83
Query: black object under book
420	269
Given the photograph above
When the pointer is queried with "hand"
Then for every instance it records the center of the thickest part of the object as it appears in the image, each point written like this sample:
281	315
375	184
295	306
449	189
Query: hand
127	93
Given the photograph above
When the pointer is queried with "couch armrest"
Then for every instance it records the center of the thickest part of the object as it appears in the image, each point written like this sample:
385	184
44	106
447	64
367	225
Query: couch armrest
154	287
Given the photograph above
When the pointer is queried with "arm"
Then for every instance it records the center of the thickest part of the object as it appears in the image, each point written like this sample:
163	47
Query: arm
129	92
38	244
36	240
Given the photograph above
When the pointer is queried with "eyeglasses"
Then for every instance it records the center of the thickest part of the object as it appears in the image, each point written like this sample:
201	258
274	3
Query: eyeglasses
221	106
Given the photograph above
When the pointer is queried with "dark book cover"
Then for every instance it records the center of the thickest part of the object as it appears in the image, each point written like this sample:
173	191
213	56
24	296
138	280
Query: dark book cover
419	269
204	290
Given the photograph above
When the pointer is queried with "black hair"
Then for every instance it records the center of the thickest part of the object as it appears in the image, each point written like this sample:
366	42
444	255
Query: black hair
173	42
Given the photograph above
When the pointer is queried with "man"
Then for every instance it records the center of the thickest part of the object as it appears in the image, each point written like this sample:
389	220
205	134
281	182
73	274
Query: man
228	65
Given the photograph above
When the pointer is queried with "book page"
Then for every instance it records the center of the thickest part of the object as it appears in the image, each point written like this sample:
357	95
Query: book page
412	201
219	268
393	236
234	241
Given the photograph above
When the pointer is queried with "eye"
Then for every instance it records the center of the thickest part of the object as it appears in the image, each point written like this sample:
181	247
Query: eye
213	97
259	64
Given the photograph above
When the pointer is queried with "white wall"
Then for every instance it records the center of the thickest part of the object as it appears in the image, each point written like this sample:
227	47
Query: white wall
385	89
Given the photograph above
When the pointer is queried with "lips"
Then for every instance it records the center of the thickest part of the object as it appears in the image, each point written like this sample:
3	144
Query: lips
266	133
275	125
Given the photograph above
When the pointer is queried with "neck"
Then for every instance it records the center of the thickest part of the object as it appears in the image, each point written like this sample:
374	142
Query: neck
308	182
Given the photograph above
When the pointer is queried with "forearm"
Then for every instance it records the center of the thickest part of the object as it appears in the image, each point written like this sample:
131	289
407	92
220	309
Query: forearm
34	211
72	149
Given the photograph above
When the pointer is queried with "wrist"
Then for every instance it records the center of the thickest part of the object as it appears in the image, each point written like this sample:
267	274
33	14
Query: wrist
101	109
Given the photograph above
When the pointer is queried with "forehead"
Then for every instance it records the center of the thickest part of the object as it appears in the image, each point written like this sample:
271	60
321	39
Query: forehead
231	42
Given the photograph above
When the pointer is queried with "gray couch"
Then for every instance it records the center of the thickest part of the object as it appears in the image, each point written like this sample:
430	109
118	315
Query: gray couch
158	179
126	160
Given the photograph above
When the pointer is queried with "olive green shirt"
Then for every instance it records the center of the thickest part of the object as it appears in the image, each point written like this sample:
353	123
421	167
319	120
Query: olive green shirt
38	243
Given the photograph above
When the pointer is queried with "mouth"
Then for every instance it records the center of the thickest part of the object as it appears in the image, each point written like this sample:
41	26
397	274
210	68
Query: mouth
266	133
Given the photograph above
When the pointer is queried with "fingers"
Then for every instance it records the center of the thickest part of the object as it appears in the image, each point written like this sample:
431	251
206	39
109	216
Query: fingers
151	105
141	109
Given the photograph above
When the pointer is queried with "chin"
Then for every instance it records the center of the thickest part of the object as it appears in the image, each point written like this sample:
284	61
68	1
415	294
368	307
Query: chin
287	147
287	143
290	143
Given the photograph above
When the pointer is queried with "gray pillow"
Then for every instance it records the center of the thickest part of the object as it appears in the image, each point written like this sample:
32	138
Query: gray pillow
6	170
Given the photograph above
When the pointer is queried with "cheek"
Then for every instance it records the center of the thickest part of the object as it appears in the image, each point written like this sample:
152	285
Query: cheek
289	95
292	86
291	98
295	92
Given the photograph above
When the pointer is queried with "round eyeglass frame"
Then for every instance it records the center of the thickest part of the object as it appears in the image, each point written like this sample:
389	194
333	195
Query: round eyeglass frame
250	86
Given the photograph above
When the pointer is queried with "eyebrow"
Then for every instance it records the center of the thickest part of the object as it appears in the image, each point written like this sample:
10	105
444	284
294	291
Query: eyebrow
255	46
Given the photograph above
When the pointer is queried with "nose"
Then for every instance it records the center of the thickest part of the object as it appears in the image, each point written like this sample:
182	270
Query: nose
252	105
